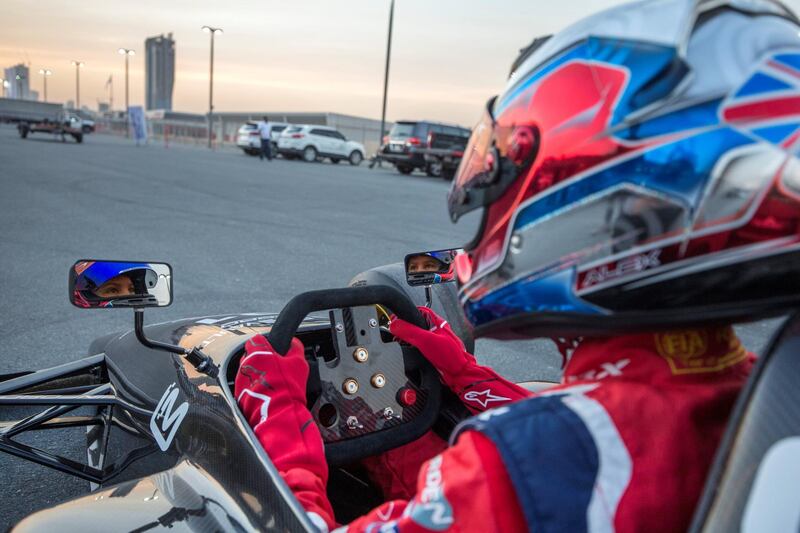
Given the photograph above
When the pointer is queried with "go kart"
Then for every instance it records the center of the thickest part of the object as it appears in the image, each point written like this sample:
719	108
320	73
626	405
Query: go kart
167	446
166	443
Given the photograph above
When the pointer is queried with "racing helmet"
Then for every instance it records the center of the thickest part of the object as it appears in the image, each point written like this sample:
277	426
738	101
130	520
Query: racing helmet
90	275
446	258
639	171
443	257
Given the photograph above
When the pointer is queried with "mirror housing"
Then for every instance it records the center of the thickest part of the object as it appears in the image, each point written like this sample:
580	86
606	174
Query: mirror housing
131	284
430	268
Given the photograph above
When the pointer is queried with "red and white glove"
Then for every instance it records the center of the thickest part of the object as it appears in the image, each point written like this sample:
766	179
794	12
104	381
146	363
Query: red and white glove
479	387
271	391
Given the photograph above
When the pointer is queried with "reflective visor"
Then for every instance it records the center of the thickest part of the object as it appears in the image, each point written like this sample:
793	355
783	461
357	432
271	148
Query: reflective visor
494	157
477	170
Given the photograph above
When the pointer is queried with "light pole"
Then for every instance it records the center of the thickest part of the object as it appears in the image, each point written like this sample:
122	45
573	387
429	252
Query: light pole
127	52
45	72
385	82
5	84
211	30
78	65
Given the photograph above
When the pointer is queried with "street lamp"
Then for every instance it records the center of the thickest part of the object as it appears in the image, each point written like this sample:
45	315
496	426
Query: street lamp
127	52
4	82
211	30
45	72
78	65
385	84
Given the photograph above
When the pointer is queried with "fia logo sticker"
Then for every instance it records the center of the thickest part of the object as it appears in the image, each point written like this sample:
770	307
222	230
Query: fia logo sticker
167	418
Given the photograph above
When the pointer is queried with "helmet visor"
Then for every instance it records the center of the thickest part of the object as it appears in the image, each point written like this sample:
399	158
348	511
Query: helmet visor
497	153
478	168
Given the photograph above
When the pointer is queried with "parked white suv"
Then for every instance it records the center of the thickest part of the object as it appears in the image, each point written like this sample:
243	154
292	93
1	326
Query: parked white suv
314	142
249	140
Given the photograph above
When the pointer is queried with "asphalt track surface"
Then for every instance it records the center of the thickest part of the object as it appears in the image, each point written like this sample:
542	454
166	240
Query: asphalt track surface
241	235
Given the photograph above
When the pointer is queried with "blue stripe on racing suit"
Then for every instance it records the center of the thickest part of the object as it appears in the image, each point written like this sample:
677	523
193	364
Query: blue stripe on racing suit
565	457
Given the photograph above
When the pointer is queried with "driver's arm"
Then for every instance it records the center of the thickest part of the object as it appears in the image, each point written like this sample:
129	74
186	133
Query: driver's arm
478	386
465	488
271	391
466	484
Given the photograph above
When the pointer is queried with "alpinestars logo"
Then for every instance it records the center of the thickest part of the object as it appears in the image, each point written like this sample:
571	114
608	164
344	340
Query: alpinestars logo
167	418
484	397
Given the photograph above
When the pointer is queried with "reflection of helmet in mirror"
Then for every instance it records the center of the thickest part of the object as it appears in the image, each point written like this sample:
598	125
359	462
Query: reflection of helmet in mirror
444	277
445	256
425	263
92	275
668	181
442	264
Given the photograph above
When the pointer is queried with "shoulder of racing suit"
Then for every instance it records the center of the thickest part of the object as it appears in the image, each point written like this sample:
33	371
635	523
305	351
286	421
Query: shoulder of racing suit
566	459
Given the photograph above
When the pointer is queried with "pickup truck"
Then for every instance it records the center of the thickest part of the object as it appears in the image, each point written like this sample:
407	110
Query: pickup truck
40	117
432	147
444	152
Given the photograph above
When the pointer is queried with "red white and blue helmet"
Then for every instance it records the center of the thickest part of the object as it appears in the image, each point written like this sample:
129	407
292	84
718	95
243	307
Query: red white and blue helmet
640	170
90	275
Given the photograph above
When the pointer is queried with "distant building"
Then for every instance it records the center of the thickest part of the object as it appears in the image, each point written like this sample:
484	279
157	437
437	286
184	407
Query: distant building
159	64
18	78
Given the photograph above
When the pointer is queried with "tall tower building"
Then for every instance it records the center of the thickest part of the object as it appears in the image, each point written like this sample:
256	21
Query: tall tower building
159	64
18	78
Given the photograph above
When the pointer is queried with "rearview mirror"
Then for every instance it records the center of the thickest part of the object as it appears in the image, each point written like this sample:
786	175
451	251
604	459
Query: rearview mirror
429	268
95	283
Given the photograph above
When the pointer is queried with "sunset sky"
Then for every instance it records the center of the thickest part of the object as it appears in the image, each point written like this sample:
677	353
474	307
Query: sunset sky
448	56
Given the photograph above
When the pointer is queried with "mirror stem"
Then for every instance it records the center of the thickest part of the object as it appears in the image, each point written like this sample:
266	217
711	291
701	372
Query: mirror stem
139	329
195	356
428	296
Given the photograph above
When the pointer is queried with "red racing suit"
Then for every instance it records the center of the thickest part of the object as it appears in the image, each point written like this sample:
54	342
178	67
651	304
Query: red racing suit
624	443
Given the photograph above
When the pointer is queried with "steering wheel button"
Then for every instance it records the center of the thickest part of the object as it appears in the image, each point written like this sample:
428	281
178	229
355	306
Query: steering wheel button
406	396
361	354
350	386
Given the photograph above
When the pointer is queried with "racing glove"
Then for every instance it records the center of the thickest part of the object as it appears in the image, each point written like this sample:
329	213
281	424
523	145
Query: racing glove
478	386
271	391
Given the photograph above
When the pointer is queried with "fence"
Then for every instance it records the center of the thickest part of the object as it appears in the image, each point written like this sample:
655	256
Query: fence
359	129
164	131
226	127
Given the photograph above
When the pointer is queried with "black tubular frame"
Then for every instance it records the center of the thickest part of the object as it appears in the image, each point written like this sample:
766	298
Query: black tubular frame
33	379
61	401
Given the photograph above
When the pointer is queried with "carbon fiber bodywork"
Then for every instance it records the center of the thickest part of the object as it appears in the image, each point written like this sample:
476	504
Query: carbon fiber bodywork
213	475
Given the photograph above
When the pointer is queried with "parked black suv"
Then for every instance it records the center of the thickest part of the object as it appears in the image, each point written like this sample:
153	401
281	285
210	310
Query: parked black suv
430	146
